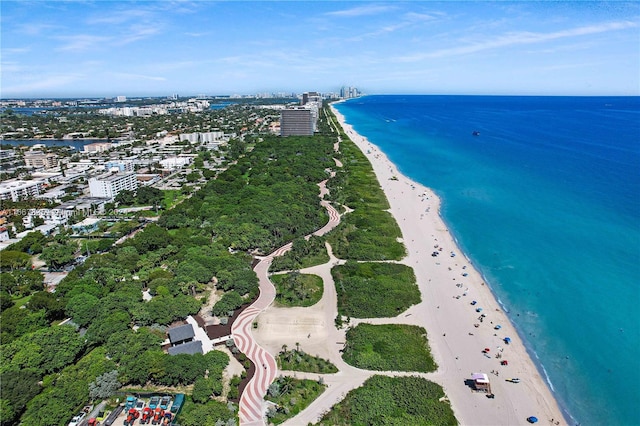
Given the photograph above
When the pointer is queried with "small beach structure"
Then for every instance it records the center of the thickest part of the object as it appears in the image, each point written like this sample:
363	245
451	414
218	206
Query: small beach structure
507	340
481	382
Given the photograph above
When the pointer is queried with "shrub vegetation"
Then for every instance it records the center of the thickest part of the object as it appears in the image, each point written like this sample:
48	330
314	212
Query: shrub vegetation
296	289
373	290
291	396
397	401
369	232
298	360
388	347
303	254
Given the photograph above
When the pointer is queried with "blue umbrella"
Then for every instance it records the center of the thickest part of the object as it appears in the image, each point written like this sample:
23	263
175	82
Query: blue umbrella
532	419
507	340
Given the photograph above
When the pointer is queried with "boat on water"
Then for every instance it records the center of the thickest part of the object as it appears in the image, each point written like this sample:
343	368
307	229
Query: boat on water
475	133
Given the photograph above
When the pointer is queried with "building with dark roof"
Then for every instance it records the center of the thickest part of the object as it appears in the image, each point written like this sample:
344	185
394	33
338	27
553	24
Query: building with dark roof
181	334
190	348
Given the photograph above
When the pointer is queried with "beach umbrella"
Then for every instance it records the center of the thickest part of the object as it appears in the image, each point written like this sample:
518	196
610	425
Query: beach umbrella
507	340
498	327
487	349
532	419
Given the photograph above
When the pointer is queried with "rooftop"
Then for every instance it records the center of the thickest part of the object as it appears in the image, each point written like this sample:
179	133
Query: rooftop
190	348
181	333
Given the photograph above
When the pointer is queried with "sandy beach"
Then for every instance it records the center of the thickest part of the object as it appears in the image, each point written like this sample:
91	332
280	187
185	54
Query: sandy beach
465	324
458	333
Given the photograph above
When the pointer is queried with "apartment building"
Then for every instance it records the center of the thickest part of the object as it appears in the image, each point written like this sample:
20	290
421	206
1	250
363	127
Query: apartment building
297	121
16	190
39	160
97	147
109	185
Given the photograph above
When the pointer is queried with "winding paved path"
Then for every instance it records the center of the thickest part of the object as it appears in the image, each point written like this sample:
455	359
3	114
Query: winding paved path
252	404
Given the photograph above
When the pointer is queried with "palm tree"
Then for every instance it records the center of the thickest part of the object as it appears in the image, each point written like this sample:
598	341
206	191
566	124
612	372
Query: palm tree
286	384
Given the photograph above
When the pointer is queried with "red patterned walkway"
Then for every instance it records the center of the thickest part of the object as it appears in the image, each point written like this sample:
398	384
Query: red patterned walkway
252	404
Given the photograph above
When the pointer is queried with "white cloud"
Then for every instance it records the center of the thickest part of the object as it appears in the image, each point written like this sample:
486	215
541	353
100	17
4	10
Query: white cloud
130	76
139	32
34	29
519	38
120	16
361	11
15	50
42	84
81	42
413	16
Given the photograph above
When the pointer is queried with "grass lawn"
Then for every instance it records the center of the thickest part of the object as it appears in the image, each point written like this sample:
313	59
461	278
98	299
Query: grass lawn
296	289
398	401
375	290
388	347
171	197
21	301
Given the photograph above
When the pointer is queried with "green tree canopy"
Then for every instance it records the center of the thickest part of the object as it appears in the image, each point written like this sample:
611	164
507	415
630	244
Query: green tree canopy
56	255
125	197
44	351
11	260
82	308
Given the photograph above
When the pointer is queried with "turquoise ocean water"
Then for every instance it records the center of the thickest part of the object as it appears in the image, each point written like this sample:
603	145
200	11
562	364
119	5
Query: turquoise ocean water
545	201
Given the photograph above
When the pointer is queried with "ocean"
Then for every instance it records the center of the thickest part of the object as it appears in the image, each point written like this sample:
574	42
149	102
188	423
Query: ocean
545	201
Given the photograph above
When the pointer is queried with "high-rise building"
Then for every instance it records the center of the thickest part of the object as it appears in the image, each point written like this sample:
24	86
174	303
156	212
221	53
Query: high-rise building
296	121
109	185
308	97
349	92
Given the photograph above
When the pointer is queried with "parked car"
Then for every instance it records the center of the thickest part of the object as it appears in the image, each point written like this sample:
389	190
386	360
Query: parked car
164	402
131	402
75	421
139	405
153	402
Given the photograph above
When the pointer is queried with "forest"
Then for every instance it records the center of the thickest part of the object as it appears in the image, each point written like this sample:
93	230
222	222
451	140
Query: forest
107	335
268	197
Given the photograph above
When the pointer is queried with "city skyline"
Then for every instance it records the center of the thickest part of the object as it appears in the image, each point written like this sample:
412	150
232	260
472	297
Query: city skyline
106	49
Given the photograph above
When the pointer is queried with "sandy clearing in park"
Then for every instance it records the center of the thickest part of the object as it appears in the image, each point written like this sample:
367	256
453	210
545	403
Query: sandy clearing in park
445	312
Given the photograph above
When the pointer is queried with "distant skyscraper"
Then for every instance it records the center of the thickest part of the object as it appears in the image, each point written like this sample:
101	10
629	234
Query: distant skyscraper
308	97
349	92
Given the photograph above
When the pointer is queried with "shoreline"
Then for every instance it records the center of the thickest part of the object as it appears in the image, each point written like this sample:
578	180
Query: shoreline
458	333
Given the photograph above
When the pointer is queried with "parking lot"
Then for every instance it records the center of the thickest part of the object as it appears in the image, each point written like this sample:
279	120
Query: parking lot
154	410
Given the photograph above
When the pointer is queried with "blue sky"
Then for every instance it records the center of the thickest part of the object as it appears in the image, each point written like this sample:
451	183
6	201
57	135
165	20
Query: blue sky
156	48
